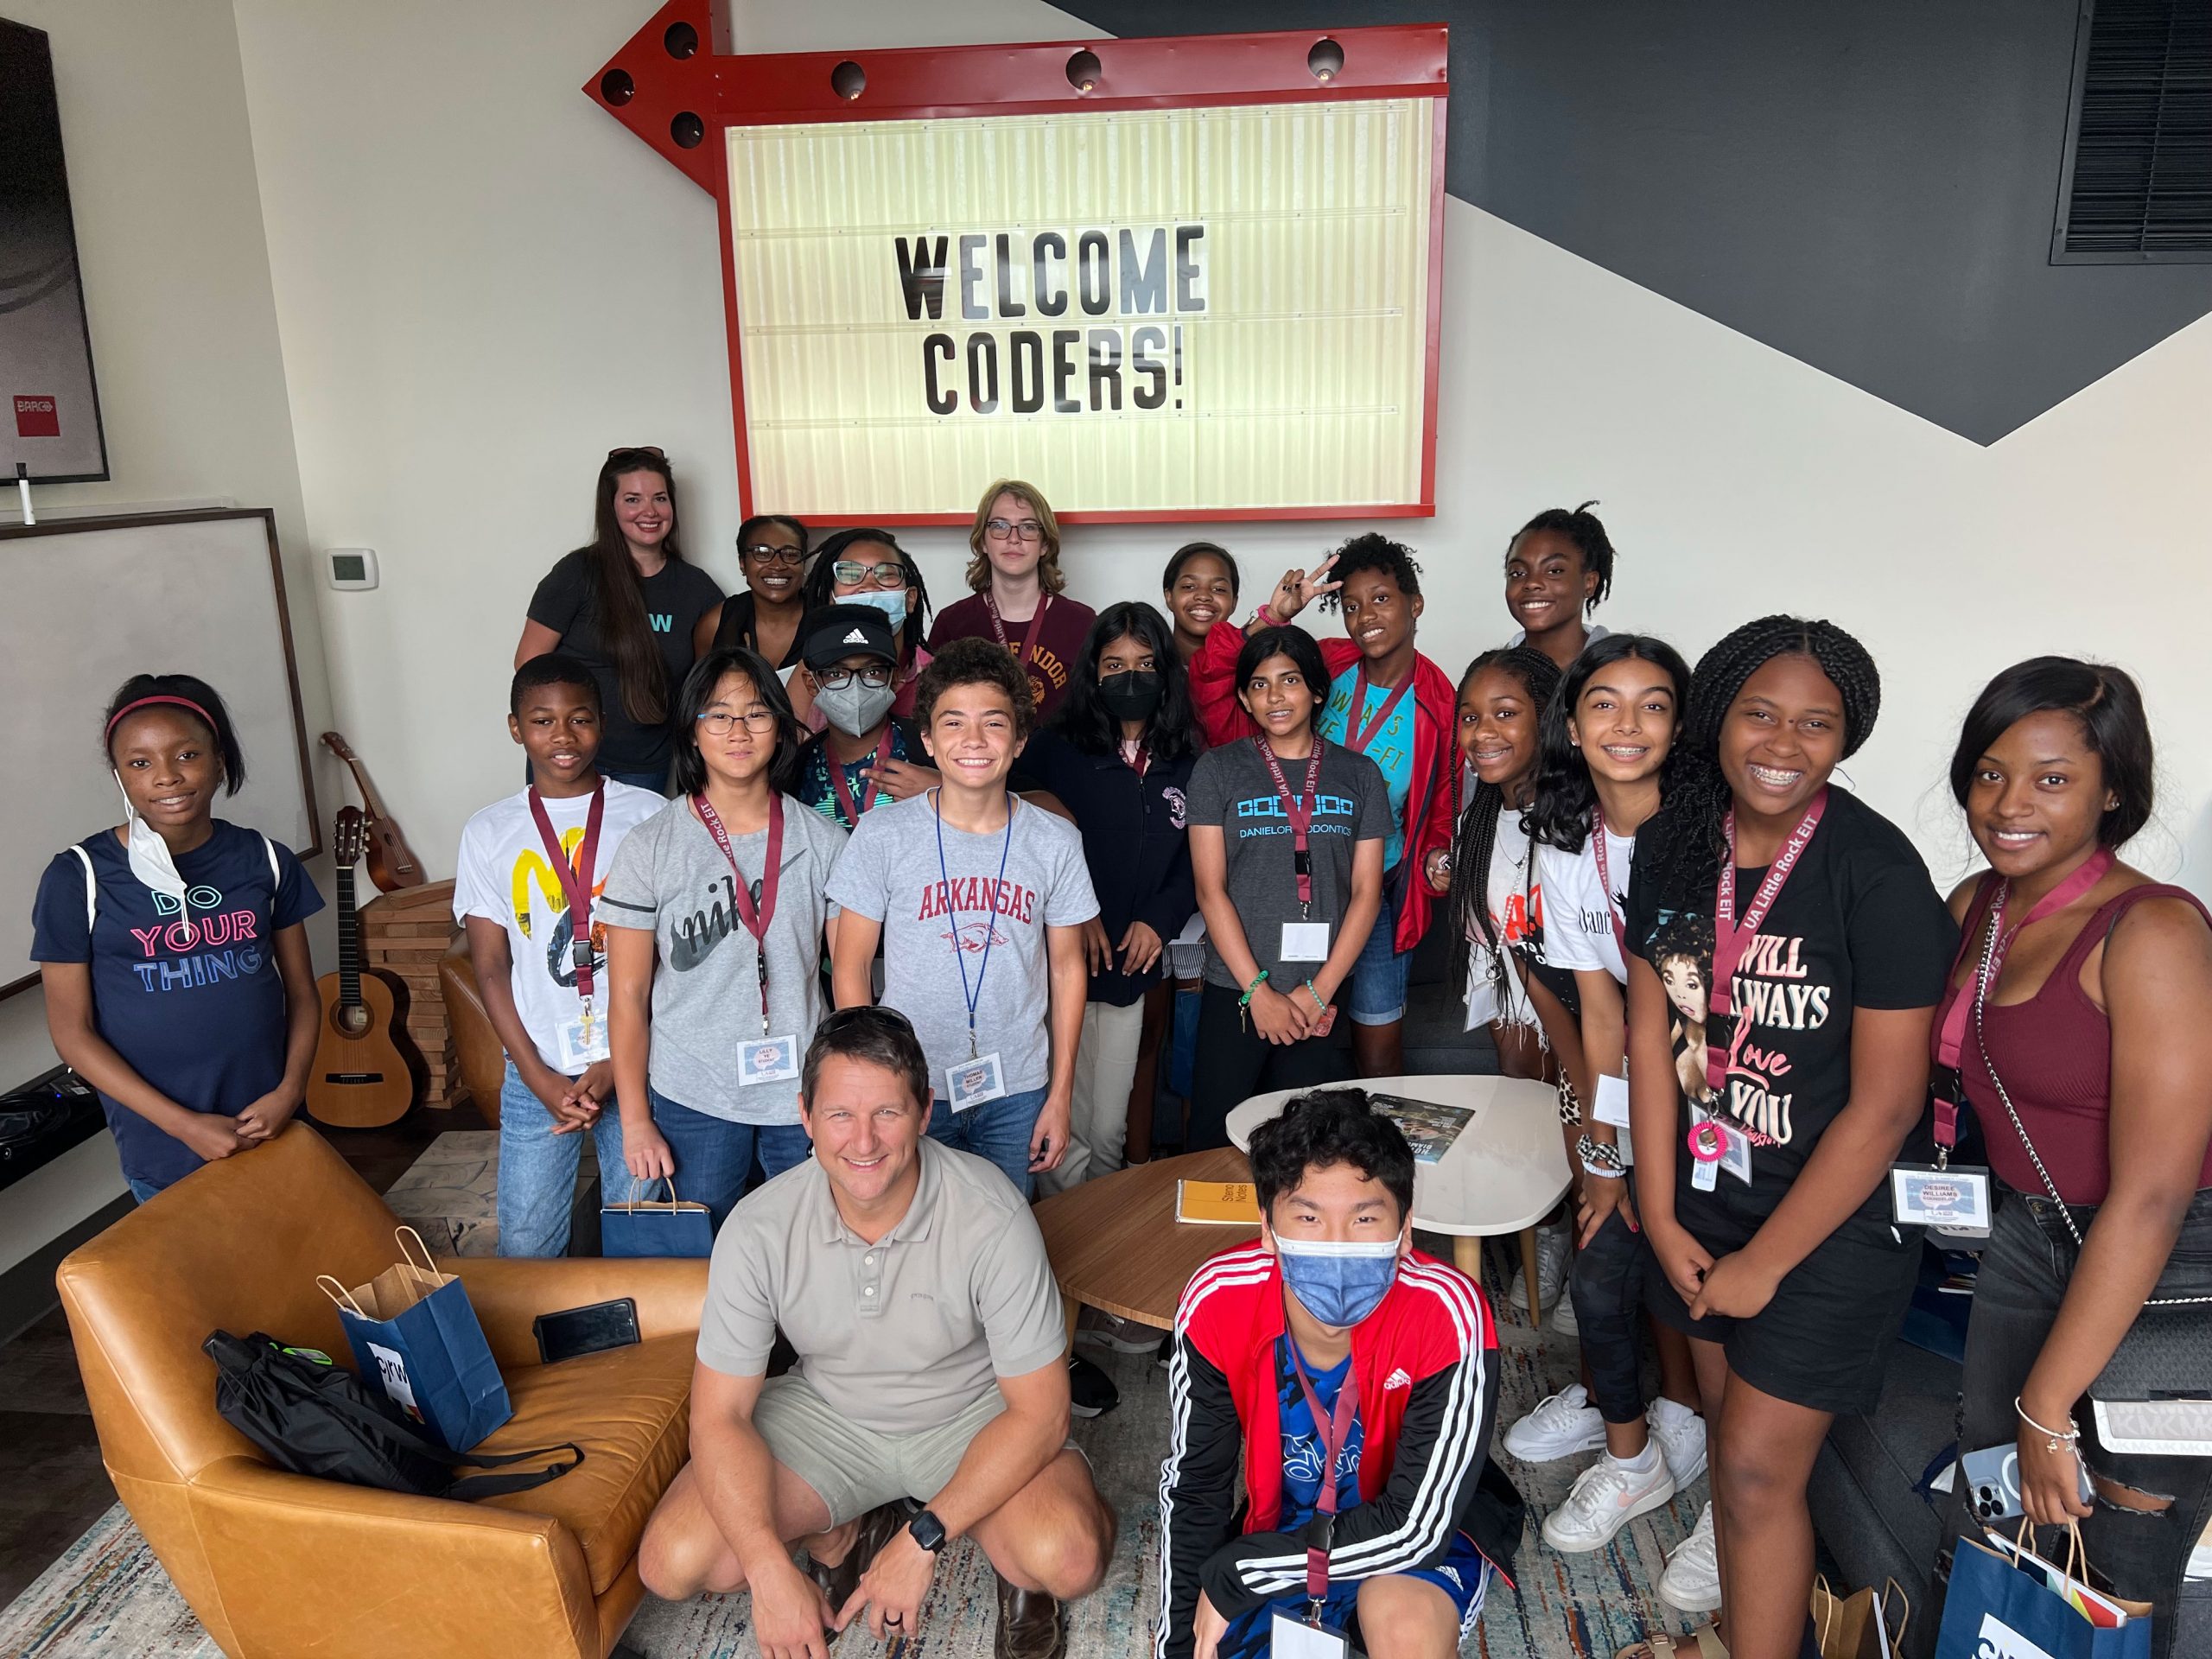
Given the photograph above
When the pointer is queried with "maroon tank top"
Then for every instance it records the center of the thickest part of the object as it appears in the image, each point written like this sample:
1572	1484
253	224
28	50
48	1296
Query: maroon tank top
2054	1051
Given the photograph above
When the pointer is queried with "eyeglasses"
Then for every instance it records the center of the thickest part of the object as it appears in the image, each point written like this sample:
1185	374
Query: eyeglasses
768	554
653	450
875	676
759	721
853	574
1027	529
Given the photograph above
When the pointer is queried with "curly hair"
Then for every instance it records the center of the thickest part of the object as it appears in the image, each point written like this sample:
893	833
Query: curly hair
975	662
1582	527
1559	813
1468	903
1689	838
1322	1128
1374	551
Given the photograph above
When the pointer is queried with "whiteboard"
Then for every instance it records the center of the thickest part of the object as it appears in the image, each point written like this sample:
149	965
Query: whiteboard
85	604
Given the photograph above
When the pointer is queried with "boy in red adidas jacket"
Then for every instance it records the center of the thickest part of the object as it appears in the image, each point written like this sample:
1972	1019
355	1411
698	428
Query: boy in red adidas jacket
1386	701
1330	1342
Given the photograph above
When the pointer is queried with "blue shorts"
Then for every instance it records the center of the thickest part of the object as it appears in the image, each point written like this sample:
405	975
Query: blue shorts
1379	978
1463	1574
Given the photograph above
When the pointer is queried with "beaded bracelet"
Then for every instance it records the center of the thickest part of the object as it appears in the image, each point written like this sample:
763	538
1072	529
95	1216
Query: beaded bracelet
2071	1437
1244	1003
1600	1157
1316	996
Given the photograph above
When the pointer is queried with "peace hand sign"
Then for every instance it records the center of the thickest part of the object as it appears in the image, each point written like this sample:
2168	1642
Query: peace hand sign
1300	588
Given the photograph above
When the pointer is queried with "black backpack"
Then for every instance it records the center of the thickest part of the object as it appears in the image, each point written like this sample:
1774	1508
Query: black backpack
311	1417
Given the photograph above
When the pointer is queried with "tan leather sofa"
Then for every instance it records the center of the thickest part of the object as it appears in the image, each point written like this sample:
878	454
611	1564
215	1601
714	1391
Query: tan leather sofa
483	1061
278	1565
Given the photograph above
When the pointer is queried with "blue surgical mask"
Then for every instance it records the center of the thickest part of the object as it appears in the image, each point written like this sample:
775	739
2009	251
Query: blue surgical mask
891	603
1339	1284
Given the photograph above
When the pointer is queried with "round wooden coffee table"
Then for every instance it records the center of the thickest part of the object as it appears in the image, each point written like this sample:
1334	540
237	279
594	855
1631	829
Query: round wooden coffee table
1115	1244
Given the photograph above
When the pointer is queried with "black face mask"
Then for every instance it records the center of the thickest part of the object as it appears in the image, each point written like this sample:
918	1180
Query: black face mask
1131	696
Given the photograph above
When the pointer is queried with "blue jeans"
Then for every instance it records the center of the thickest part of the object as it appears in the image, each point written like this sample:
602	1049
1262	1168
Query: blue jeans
714	1156
998	1131
538	1169
142	1191
1375	992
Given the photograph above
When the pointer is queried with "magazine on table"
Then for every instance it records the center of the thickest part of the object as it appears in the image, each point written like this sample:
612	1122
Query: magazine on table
1428	1126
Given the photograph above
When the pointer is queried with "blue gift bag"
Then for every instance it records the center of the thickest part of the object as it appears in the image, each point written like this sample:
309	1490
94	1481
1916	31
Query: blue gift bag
2007	1603
656	1227
412	1330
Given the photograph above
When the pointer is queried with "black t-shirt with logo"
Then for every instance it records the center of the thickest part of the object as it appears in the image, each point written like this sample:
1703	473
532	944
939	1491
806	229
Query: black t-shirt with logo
675	597
1859	923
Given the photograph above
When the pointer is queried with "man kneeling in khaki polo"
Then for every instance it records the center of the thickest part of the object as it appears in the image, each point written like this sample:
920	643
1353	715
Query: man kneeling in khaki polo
914	1282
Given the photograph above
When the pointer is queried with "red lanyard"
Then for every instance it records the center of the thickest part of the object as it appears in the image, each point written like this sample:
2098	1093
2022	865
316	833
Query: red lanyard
845	791
1359	731
1334	1432
1142	759
755	920
576	880
1730	938
1948	1040
1302	818
1027	654
1605	880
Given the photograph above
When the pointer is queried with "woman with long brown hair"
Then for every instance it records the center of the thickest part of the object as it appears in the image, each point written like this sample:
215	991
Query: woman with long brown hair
627	604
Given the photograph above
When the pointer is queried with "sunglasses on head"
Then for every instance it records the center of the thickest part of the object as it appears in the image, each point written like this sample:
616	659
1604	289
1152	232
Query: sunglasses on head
653	450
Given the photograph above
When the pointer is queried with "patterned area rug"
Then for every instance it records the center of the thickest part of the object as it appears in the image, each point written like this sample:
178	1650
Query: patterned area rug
107	1598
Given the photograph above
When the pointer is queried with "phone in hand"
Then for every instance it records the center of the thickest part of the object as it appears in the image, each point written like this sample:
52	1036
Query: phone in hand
574	1331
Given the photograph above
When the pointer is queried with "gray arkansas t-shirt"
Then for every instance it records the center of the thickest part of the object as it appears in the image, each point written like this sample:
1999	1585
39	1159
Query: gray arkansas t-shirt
669	876
933	934
1232	790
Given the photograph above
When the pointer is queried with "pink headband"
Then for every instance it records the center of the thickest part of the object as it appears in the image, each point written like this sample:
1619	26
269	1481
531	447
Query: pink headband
144	703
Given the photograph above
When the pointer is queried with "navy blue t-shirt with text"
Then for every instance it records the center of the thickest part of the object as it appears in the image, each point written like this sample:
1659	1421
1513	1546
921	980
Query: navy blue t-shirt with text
198	1011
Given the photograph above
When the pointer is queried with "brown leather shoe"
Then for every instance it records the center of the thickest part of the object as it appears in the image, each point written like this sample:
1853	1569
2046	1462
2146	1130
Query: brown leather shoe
877	1528
1031	1625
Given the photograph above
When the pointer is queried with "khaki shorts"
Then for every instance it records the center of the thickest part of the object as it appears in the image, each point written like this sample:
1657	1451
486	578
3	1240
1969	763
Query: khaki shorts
853	1469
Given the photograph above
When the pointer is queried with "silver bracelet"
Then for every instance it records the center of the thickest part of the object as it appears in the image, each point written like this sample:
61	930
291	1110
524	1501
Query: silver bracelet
2071	1437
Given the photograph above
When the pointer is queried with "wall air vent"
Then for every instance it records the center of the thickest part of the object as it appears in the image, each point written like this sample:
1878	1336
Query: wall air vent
2137	185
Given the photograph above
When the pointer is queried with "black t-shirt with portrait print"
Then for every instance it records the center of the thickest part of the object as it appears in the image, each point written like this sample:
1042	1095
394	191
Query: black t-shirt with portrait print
1859	923
675	597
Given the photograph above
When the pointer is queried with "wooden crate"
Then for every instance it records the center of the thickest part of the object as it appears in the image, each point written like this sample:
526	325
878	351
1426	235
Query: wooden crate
405	935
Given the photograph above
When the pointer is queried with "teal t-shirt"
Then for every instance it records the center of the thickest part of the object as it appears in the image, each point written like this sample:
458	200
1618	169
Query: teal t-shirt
1391	748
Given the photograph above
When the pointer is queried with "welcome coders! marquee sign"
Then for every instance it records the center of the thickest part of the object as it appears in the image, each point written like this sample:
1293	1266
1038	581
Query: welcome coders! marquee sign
1183	278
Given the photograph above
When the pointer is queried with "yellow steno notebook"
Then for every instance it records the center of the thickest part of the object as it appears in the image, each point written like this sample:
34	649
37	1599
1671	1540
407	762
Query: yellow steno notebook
1218	1204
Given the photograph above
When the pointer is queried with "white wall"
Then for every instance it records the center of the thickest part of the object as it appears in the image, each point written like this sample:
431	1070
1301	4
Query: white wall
191	378
484	283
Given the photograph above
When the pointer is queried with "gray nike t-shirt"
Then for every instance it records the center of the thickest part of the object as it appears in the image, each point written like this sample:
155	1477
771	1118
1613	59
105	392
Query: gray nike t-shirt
934	935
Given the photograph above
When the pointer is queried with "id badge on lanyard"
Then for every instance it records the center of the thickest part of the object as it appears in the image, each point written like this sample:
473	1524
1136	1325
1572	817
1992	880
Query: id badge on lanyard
768	1058
579	1042
1303	940
981	1078
1309	1638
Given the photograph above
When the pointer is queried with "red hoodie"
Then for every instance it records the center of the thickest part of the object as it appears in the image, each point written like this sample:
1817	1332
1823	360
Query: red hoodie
1432	806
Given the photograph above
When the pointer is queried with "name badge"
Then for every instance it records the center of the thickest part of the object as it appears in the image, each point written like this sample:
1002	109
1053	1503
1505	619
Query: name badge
1305	942
1735	1153
1954	1200
1293	1638
1611	1104
771	1059
971	1083
581	1042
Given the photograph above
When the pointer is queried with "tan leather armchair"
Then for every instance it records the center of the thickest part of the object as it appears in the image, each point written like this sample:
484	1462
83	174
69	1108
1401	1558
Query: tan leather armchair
278	1565
483	1061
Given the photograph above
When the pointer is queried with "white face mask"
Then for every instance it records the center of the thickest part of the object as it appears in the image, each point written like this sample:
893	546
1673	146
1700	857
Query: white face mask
149	855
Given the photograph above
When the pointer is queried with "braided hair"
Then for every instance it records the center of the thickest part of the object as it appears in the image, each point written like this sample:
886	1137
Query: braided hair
1581	526
1559	811
1468	903
1689	838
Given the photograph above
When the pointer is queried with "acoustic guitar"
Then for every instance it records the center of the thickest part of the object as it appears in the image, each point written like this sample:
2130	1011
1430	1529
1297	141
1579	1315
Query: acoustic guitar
393	863
359	1080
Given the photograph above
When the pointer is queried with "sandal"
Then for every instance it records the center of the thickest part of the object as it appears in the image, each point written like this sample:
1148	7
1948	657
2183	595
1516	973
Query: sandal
1704	1643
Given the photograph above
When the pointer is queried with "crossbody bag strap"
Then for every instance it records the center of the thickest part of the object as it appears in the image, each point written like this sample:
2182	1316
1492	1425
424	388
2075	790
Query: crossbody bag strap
1981	1041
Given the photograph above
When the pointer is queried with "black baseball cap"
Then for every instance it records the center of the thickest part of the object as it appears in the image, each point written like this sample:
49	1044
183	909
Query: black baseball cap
836	631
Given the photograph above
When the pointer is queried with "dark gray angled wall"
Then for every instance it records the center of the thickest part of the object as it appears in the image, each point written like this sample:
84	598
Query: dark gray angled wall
1867	185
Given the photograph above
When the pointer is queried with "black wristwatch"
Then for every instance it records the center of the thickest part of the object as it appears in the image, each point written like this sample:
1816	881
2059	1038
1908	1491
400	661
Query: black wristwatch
928	1531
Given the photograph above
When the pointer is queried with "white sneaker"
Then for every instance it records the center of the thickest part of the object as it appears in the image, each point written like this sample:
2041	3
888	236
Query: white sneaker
1562	1315
1100	1329
1692	1581
1554	1252
1606	1497
1680	1434
1561	1424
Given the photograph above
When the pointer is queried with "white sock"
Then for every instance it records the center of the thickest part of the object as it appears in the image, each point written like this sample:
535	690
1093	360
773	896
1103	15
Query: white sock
1645	1462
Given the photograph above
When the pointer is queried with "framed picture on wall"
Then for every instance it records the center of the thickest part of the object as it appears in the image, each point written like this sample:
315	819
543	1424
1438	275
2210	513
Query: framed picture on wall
49	410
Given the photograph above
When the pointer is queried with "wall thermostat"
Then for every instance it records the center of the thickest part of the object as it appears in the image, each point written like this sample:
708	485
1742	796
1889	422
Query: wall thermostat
351	568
